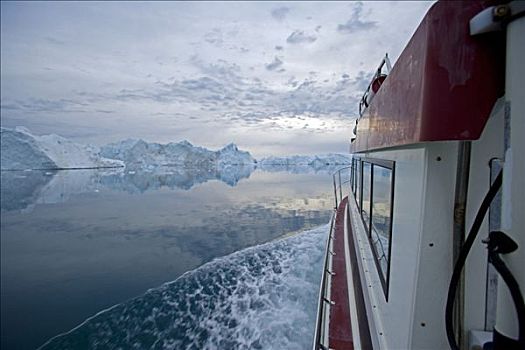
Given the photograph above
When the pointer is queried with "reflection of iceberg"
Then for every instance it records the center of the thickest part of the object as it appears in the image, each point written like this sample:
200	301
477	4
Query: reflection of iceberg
288	168
232	174
21	189
173	177
300	168
66	184
327	163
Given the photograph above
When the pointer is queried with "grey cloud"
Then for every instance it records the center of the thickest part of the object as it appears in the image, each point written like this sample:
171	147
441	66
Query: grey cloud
55	41
219	91
252	102
280	13
233	32
224	93
300	37
219	85
46	105
255	102
214	37
220	36
362	80
356	23
221	69
275	64
292	82
10	106
279	48
131	94
204	83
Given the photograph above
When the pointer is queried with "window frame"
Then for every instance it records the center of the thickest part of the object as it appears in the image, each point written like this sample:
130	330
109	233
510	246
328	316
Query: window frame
358	191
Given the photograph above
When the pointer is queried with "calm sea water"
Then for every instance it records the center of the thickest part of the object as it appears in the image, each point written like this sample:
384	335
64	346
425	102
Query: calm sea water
156	250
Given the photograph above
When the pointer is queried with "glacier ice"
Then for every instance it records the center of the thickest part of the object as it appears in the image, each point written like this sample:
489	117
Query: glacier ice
142	154
22	150
149	166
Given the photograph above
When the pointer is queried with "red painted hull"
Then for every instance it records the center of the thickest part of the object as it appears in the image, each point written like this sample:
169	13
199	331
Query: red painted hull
443	85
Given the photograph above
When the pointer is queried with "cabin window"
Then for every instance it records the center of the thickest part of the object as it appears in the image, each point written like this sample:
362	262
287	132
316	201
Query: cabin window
354	174
366	194
381	216
358	182
373	187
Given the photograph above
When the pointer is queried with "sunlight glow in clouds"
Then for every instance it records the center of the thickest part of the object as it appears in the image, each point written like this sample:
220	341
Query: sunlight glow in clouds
304	122
270	76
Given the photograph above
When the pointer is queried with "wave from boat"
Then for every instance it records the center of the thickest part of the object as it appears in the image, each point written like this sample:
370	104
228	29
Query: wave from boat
263	297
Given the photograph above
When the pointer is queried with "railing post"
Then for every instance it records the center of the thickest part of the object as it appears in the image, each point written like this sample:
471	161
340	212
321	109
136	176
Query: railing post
335	192
340	187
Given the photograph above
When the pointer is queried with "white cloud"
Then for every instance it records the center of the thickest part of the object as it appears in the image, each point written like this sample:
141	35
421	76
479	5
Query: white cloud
357	22
300	37
182	70
276	63
280	13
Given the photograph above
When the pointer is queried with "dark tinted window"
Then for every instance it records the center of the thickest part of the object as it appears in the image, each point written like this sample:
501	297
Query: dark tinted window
381	215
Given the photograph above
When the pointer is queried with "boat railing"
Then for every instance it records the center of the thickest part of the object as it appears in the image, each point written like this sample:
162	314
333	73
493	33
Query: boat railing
324	302
377	80
339	181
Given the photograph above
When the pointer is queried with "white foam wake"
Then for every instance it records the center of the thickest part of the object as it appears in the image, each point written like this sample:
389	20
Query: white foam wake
262	297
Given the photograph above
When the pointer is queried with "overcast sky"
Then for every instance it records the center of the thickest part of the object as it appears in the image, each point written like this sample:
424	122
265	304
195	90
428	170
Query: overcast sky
273	77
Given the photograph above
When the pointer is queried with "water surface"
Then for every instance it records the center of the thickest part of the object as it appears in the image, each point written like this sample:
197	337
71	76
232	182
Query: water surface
74	243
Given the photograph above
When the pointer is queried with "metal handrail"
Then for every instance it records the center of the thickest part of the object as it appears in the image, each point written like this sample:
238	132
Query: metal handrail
369	93
320	339
339	187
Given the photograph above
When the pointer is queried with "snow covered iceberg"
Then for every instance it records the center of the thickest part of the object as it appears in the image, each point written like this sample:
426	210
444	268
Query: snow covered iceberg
21	150
150	155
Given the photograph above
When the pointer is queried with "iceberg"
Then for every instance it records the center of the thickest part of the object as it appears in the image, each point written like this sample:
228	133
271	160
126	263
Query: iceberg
231	155
21	150
148	155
